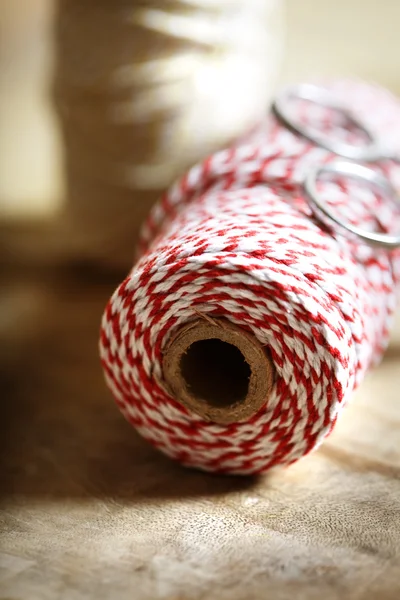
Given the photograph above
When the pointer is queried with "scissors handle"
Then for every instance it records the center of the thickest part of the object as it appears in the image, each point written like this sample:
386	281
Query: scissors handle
368	176
371	151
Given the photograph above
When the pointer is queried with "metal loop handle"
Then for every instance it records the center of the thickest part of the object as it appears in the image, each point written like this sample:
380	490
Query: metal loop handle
354	171
369	152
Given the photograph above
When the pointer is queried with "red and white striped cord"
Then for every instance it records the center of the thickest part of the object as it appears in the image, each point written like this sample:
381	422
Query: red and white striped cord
235	238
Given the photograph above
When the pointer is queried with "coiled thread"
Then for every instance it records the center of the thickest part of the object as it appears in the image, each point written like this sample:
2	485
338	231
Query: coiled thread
235	240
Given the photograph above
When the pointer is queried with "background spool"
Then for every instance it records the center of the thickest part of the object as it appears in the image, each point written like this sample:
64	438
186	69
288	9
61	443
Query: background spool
217	370
145	90
235	239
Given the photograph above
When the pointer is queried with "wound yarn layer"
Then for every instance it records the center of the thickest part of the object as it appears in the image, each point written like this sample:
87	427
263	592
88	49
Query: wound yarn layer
236	239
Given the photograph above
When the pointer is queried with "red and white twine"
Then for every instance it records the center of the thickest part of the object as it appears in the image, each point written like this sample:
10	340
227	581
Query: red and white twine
235	238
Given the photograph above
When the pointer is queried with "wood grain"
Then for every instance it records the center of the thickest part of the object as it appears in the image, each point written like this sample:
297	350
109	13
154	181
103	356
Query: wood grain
88	509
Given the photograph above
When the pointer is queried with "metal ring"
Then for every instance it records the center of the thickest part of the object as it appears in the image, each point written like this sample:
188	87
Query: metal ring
354	171
370	152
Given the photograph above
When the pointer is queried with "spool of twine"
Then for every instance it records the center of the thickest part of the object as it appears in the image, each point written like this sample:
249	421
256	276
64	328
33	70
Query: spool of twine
239	335
144	90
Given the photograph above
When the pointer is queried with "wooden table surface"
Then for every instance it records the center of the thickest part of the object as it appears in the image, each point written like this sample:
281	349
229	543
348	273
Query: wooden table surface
89	510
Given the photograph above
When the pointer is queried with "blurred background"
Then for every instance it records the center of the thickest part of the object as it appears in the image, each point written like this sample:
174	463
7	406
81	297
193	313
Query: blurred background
345	37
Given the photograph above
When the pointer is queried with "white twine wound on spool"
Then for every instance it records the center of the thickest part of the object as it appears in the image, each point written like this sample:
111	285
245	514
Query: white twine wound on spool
143	91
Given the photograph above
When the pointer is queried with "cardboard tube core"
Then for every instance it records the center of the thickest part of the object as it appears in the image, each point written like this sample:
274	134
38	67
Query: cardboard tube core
218	371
